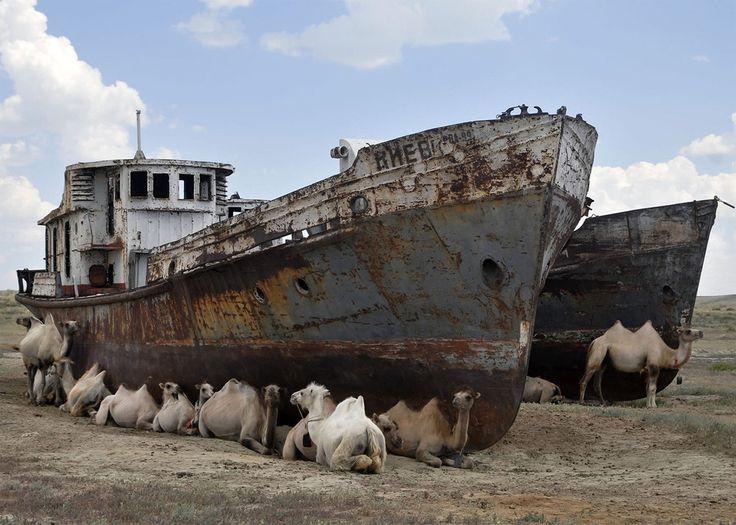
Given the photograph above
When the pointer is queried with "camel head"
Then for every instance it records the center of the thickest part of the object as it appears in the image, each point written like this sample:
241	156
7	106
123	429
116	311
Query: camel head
24	321
171	390
309	397
205	391
70	327
57	367
688	335
273	394
464	399
390	430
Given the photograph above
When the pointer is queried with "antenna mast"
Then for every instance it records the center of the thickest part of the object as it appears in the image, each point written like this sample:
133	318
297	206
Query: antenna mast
139	152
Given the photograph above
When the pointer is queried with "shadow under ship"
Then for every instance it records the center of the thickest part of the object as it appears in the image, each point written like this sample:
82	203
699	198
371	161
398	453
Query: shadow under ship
413	273
633	266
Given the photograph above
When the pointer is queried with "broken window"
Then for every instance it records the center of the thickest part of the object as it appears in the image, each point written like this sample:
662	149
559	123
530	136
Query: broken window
160	185
232	211
205	187
139	184
117	187
67	249
54	250
186	186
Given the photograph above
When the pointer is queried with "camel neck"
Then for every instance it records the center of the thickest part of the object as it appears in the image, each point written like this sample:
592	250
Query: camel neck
460	432
65	344
272	414
682	355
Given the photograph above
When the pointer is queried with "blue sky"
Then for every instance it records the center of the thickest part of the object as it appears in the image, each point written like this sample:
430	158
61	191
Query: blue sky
270	95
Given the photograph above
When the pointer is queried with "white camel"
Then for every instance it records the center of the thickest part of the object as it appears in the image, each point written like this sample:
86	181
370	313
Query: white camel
346	439
205	391
84	395
176	413
241	413
44	344
640	351
128	408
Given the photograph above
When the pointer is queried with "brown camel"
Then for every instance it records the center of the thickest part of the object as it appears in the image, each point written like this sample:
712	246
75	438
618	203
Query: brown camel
640	351
427	435
538	390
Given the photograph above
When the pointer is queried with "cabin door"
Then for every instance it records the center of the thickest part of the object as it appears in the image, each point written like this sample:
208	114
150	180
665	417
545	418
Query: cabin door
138	269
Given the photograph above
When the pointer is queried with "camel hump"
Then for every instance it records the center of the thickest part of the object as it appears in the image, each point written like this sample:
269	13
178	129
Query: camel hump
360	403
49	320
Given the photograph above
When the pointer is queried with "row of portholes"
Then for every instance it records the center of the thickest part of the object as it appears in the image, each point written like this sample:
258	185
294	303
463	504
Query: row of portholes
299	283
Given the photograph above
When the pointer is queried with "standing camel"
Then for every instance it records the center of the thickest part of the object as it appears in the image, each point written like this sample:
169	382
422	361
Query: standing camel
42	345
640	351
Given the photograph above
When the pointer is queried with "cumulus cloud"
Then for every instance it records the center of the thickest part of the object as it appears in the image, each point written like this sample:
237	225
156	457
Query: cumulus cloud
21	206
713	145
645	184
166	153
58	93
373	32
215	27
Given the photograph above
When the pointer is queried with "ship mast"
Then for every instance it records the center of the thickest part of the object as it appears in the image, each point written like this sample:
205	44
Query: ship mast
139	152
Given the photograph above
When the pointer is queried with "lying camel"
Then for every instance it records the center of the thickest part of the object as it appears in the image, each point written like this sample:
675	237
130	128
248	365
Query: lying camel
427	435
42	345
128	408
176	413
640	351
240	412
346	439
206	391
84	395
298	443
538	390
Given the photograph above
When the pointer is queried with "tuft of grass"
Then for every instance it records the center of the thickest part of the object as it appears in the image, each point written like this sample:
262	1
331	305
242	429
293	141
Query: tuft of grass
723	367
532	517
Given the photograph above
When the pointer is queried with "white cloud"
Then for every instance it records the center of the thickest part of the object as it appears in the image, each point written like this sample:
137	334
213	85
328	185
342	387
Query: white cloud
701	58
373	32
21	206
214	26
166	153
57	93
645	184
213	29
713	145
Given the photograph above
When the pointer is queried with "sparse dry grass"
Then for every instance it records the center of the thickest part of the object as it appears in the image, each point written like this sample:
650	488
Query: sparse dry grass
10	332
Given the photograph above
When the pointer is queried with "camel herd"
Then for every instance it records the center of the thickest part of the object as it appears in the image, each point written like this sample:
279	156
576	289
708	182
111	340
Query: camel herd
336	435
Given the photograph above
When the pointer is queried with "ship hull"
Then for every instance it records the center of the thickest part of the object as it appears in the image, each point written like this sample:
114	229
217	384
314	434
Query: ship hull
638	266
409	303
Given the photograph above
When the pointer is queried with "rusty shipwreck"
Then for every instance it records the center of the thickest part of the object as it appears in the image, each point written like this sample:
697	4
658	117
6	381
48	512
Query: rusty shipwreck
413	272
633	266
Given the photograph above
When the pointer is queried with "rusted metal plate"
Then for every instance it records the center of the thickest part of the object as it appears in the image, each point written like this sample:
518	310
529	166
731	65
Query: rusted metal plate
634	266
430	287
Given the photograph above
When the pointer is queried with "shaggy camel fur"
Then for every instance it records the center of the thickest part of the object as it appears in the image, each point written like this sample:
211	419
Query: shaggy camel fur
640	351
42	345
346	439
84	395
538	390
298	444
176	413
240	412
427	435
128	408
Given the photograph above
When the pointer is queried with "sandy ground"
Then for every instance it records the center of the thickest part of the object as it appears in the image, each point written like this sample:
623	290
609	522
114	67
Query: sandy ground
558	464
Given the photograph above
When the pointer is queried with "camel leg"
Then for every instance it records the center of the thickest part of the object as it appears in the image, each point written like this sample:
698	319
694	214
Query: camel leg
102	414
31	371
652	375
156	427
290	452
459	460
425	456
143	424
343	460
253	444
596	355
599	384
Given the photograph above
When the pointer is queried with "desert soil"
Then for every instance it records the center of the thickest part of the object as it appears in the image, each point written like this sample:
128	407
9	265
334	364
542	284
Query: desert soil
558	464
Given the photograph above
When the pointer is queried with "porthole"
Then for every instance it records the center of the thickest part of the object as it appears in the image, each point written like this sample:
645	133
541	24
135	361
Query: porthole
301	286
259	295
493	274
359	204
